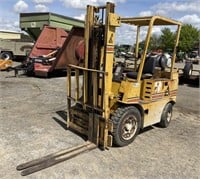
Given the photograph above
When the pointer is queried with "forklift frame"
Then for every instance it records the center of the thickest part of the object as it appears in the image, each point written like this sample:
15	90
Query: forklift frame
91	113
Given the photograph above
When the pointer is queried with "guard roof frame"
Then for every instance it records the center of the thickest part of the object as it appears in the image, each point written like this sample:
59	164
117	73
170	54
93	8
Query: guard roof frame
145	21
151	21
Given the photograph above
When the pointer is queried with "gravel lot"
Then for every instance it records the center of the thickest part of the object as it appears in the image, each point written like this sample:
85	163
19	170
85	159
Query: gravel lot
32	125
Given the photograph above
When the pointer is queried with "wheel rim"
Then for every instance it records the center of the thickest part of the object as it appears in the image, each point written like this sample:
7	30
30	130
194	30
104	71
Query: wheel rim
190	72
169	115
6	57
129	127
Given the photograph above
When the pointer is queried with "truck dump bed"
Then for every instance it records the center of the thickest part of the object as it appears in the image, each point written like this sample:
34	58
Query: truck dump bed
55	48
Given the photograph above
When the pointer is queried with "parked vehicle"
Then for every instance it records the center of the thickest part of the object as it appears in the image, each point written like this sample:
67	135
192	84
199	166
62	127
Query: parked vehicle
188	74
12	49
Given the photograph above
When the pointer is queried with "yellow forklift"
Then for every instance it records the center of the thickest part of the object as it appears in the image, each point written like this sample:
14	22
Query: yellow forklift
115	106
112	106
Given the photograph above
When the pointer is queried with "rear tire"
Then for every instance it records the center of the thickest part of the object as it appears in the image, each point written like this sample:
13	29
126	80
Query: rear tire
166	116
6	56
126	125
187	71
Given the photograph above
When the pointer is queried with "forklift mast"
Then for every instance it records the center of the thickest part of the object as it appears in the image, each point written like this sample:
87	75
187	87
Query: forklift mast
90	115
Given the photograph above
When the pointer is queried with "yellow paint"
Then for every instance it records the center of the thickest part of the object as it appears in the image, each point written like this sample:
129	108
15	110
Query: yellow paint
4	64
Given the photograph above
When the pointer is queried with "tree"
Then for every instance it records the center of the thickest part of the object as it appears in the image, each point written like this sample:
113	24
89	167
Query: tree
155	42
167	39
189	37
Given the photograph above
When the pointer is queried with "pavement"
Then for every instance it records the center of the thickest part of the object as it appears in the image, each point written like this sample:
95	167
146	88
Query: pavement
33	124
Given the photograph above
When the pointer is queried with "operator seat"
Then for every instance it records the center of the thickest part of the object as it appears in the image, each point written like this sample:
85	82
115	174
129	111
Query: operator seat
148	70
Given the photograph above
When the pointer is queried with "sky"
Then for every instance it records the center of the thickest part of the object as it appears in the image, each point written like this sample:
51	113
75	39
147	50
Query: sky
186	11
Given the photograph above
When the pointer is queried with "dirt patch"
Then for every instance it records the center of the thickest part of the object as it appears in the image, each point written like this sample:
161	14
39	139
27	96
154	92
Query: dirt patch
32	124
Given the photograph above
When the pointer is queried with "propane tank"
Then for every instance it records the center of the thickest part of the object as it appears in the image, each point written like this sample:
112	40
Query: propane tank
163	60
169	59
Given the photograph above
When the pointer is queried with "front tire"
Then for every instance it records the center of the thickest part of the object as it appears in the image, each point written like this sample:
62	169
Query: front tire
126	125
166	116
